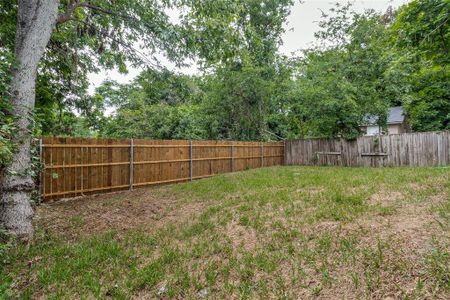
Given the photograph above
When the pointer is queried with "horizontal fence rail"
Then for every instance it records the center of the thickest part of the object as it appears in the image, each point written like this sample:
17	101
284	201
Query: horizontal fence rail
407	149
73	166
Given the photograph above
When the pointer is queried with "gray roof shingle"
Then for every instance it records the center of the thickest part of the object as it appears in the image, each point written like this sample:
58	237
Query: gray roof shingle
396	115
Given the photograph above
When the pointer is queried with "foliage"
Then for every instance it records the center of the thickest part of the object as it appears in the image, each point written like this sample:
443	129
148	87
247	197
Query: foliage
340	82
104	34
90	35
254	36
420	36
160	105
6	122
160	121
243	91
6	61
238	101
247	102
367	62
6	244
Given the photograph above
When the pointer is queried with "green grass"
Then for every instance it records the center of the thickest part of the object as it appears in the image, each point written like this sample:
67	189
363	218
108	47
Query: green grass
281	232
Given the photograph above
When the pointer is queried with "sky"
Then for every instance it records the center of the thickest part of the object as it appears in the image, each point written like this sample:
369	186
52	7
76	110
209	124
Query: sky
300	27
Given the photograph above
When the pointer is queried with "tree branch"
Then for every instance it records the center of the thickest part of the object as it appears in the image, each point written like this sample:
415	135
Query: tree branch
138	54
67	15
74	4
100	9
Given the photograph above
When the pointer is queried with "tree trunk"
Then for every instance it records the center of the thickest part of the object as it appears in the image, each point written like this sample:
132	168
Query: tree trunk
35	23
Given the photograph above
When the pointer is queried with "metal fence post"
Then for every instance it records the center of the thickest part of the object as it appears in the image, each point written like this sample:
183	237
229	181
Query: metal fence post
232	157
190	160
41	169
262	154
131	163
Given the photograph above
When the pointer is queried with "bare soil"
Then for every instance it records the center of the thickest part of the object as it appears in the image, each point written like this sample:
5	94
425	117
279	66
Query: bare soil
145	208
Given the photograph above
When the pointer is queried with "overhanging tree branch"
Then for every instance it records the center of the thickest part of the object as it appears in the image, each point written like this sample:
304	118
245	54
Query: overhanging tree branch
67	15
138	54
74	4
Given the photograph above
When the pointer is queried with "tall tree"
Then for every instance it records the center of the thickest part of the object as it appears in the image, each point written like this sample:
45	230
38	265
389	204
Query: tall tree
35	23
242	92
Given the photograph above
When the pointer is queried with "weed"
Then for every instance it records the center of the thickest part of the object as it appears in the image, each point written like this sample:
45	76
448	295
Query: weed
437	266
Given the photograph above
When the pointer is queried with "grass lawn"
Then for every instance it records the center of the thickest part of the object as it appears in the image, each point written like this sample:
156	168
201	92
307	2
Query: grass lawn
280	232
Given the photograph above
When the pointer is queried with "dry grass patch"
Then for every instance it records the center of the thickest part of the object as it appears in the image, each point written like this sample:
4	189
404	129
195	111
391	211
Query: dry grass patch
122	211
241	236
386	198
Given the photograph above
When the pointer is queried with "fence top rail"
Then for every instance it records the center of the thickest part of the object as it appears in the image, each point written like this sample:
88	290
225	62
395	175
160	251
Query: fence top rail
85	146
49	140
371	136
154	146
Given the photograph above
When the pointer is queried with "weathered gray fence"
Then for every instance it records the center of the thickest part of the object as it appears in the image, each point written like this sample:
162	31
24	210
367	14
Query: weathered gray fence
407	149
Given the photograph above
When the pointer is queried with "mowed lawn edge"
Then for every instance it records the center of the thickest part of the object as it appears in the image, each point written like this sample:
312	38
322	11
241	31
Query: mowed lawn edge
279	232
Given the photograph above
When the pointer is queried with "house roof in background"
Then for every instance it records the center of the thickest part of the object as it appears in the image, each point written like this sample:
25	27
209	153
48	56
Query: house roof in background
396	115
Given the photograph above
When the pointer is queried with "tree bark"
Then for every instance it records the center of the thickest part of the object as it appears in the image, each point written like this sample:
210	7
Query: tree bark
35	23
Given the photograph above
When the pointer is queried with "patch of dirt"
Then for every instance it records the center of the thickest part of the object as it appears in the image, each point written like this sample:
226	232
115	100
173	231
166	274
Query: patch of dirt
414	186
414	223
148	208
241	236
385	198
311	190
327	226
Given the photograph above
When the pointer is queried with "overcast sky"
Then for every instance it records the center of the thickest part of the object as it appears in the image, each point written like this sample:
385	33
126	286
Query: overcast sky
300	28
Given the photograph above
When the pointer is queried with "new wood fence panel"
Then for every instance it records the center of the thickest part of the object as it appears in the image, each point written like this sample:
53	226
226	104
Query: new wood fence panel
273	154
210	157
156	161
408	149
76	166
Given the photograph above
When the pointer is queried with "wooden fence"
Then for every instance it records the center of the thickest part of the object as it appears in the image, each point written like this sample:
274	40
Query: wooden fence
407	149
74	167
